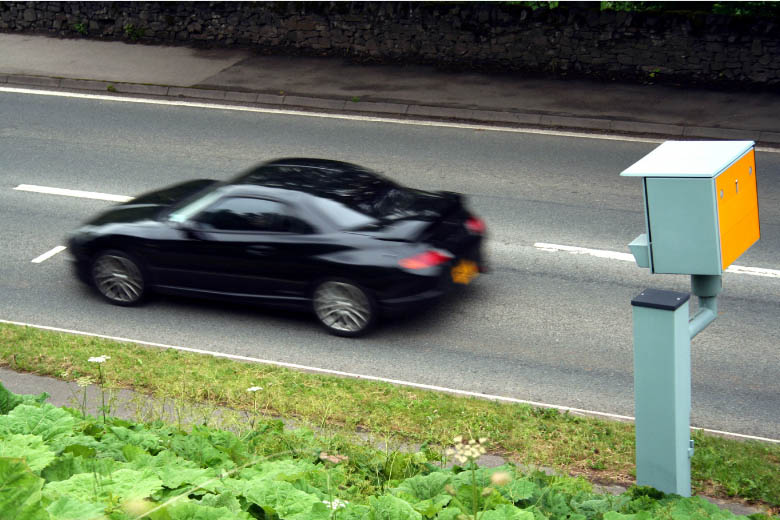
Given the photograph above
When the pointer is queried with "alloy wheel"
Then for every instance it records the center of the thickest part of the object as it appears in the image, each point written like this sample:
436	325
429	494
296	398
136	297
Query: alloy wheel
343	308
118	279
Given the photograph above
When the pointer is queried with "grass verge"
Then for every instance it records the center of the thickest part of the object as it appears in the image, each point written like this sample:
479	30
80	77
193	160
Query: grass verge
603	451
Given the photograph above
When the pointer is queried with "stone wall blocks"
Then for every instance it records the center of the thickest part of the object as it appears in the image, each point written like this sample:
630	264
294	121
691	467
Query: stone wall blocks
493	34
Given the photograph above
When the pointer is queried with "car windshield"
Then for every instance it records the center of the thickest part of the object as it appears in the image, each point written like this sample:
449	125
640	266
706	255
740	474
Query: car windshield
194	206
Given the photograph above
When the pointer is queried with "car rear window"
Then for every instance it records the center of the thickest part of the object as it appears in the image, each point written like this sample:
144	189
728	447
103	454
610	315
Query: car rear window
352	198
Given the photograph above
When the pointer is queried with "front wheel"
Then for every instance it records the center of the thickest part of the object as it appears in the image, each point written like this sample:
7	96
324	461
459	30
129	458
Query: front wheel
344	309
118	278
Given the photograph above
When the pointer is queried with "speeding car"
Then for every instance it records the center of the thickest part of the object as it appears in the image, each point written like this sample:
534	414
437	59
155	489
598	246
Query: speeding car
328	236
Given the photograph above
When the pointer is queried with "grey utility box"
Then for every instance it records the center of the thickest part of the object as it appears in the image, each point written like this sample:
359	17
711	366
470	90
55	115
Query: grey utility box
701	206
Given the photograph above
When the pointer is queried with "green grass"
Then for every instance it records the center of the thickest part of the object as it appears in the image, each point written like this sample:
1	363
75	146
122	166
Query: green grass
602	451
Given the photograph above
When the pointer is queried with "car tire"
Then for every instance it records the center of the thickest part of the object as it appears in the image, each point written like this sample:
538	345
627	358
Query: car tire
343	308
118	277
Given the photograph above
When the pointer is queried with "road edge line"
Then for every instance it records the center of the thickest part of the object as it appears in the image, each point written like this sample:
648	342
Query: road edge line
421	386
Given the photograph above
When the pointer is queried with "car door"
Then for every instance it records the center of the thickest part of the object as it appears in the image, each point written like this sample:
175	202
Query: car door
253	247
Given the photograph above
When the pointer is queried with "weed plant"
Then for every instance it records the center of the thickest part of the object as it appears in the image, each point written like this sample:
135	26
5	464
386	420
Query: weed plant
602	451
57	464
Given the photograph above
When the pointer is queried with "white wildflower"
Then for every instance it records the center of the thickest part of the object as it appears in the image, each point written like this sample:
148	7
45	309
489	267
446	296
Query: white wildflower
467	451
84	381
254	388
335	503
99	359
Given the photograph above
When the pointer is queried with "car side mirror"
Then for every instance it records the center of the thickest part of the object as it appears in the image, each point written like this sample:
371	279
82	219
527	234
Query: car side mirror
190	228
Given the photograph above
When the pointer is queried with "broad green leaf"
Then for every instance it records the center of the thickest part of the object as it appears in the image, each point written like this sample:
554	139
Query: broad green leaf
173	471
506	512
67	508
432	506
122	484
353	512
66	465
285	469
198	448
318	511
592	506
449	513
132	452
304	475
227	500
10	400
464	494
46	420
79	450
282	498
31	448
518	489
553	504
614	515
20	491
229	444
211	448
388	507
696	508
114	441
192	510
79	441
423	487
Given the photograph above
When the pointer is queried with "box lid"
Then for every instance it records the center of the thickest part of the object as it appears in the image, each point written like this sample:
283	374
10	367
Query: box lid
689	159
658	299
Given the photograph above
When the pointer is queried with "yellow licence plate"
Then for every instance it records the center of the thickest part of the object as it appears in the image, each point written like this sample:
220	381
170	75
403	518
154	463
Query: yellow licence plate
465	271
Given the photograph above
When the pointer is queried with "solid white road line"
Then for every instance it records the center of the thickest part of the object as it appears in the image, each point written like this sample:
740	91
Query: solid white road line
628	257
600	253
48	254
353	375
442	124
73	193
237	108
754	271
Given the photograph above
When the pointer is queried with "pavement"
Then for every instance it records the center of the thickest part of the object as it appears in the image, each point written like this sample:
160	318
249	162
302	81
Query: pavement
332	84
328	84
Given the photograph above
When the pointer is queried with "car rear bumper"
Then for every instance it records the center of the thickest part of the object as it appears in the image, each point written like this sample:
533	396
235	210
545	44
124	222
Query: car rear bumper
426	294
402	305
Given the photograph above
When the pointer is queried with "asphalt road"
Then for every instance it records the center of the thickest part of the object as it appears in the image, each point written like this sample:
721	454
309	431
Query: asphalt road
543	326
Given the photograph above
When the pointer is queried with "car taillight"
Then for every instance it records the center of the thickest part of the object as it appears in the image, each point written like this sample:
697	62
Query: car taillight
475	225
430	258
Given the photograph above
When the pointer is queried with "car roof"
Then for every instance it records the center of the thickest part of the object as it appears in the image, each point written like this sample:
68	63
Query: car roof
324	178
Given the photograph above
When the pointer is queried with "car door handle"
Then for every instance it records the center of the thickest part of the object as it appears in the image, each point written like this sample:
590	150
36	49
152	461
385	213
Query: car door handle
260	250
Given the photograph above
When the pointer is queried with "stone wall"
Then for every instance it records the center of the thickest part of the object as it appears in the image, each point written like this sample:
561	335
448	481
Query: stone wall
574	39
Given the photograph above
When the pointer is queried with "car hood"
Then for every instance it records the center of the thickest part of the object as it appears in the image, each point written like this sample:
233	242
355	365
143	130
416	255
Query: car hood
149	204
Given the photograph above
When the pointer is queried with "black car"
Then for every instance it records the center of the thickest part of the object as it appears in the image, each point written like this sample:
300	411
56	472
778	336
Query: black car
324	235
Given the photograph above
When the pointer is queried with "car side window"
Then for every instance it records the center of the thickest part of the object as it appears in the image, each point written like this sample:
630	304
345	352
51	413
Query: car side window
252	215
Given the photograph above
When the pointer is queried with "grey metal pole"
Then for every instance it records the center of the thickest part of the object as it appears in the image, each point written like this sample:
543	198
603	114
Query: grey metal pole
662	390
706	288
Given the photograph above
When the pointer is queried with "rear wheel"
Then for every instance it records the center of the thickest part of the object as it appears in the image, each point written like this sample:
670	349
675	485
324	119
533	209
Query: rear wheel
118	278
343	308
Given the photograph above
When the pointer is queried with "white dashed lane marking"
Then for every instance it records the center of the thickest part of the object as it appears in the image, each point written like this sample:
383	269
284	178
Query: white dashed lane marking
72	193
628	257
542	246
48	254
